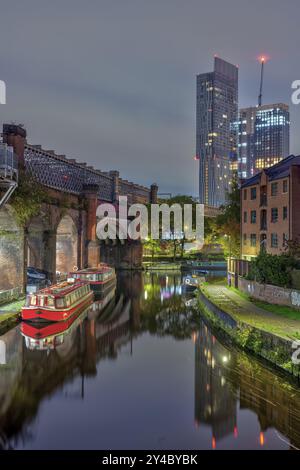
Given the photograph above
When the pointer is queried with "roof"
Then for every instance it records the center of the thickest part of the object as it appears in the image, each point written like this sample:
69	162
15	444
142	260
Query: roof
61	289
280	170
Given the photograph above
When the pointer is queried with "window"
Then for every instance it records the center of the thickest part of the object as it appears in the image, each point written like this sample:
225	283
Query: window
285	213
285	239
60	302
245	194
253	193
245	239
274	240
274	189
274	214
245	217
253	217
285	186
253	239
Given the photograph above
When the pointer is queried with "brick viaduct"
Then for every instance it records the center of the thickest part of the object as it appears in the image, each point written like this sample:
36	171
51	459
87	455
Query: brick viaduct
63	234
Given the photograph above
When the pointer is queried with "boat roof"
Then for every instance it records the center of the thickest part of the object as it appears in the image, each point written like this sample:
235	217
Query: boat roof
61	288
99	270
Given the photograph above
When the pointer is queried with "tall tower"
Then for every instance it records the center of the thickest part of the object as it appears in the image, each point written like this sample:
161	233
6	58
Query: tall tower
264	137
216	133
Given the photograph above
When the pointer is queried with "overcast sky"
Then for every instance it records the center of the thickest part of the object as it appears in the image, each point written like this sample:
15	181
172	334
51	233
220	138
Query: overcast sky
112	82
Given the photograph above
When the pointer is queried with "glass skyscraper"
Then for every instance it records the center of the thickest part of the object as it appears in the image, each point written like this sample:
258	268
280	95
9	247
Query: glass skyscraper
216	132
264	137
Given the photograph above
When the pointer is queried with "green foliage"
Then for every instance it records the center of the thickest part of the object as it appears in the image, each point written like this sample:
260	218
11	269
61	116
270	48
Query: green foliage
253	340
152	246
173	246
272	269
225	228
27	199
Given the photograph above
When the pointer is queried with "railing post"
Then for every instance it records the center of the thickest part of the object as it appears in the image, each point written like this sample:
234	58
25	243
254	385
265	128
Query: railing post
15	136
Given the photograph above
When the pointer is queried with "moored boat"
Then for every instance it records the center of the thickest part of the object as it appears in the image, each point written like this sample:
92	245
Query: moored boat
45	336
58	302
100	279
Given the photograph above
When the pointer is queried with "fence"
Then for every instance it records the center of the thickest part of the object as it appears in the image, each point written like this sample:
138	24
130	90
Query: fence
9	295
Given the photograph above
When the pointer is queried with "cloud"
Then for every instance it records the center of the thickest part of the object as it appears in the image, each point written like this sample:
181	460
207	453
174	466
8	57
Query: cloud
113	82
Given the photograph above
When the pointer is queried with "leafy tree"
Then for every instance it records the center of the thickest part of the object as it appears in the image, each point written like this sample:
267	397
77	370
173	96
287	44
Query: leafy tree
173	243
292	248
228	222
153	246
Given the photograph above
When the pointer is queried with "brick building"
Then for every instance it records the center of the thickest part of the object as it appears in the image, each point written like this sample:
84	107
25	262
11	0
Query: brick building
270	208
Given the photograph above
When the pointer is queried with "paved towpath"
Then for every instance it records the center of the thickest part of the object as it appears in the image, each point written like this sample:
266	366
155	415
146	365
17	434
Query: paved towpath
247	311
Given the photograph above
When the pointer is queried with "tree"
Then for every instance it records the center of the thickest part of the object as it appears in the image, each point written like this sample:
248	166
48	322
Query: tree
175	241
228	222
153	246
272	269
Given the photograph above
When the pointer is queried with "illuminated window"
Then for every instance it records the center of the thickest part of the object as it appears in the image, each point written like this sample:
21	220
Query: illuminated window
253	239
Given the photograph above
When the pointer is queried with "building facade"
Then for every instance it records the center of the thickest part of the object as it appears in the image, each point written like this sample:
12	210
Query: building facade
270	203
263	137
216	135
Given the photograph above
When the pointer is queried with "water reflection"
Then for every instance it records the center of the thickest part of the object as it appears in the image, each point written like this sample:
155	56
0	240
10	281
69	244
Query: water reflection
139	369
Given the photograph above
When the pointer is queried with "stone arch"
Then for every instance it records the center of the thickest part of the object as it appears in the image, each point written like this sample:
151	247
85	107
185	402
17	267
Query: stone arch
11	250
36	233
66	245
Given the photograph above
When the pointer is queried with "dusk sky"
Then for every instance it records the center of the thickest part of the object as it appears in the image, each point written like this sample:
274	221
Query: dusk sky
113	82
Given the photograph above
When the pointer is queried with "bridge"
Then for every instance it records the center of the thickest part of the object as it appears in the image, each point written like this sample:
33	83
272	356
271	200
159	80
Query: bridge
62	234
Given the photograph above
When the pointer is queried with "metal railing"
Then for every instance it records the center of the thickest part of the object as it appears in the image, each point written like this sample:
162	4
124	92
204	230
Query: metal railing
8	163
10	295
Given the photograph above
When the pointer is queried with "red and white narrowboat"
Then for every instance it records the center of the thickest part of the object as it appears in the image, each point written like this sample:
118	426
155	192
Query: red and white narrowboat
58	302
46	336
100	279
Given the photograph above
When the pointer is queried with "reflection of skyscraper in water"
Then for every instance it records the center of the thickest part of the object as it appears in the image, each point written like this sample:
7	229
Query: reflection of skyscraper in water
215	397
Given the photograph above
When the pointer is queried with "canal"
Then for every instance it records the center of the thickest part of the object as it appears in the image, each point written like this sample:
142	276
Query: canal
140	370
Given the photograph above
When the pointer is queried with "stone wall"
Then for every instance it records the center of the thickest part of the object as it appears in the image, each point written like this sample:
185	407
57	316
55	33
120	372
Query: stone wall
271	294
270	347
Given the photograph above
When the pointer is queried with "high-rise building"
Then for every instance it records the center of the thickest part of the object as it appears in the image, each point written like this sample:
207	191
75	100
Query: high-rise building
216	133
264	135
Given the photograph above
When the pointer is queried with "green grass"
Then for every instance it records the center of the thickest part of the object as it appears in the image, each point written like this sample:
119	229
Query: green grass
12	307
245	315
283	310
5	316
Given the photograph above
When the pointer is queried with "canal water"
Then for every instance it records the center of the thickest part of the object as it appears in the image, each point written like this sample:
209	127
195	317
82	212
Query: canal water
140	370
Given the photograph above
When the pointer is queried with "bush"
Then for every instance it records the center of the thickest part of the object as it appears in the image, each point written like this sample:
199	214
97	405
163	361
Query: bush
273	269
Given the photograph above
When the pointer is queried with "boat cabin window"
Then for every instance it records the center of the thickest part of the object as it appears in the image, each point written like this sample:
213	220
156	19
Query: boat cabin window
60	302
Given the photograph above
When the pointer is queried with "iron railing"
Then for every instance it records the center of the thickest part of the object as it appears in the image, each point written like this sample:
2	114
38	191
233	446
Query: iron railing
8	163
68	175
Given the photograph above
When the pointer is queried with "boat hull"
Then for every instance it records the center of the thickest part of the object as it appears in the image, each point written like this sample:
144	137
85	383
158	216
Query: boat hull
40	314
102	286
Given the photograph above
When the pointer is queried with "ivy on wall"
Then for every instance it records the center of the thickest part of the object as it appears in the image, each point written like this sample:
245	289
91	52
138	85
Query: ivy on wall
27	199
29	196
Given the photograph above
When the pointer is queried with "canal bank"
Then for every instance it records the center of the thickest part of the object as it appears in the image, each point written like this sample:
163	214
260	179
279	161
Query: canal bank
10	314
268	335
141	369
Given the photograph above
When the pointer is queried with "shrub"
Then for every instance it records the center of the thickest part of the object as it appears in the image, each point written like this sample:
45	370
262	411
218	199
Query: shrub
272	269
